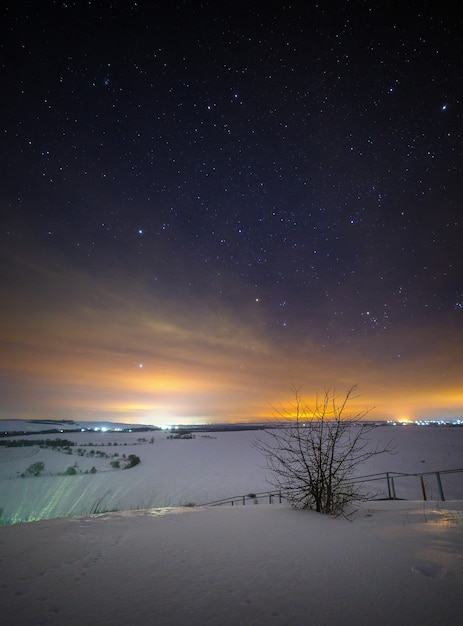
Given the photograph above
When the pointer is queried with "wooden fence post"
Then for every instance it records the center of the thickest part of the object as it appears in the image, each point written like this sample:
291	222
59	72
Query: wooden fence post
391	487
423	487
439	486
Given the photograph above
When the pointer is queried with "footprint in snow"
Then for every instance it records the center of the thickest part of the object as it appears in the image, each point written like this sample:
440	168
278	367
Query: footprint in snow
430	569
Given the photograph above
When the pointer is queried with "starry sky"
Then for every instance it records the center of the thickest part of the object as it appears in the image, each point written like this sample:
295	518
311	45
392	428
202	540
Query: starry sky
205	204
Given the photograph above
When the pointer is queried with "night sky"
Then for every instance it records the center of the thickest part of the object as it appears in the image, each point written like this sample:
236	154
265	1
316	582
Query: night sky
204	204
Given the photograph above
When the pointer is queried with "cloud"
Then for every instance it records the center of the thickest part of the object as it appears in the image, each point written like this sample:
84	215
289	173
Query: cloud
78	342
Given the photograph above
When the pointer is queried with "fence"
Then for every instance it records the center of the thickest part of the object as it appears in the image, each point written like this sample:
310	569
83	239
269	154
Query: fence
405	486
270	496
391	486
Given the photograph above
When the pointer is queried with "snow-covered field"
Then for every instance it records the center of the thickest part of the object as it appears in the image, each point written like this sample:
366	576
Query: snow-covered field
179	472
394	562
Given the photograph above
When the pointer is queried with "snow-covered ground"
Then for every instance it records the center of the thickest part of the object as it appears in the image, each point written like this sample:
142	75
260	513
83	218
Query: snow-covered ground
178	472
394	562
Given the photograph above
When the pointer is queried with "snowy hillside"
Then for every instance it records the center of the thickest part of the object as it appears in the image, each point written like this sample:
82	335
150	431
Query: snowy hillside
175	472
394	562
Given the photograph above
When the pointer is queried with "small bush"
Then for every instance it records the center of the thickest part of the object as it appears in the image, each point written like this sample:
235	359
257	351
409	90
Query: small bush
132	460
313	457
115	464
35	469
71	471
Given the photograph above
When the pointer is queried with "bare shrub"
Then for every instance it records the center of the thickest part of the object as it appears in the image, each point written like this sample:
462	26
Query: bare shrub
312	453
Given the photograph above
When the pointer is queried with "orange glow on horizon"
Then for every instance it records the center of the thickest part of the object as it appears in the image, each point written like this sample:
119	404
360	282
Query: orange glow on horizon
134	358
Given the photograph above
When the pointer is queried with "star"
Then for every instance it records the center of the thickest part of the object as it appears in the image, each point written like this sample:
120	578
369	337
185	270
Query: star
153	190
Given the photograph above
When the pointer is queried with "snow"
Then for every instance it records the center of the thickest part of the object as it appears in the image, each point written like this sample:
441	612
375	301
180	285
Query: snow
392	562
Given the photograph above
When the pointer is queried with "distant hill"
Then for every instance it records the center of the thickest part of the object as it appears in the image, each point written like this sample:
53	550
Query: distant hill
15	428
